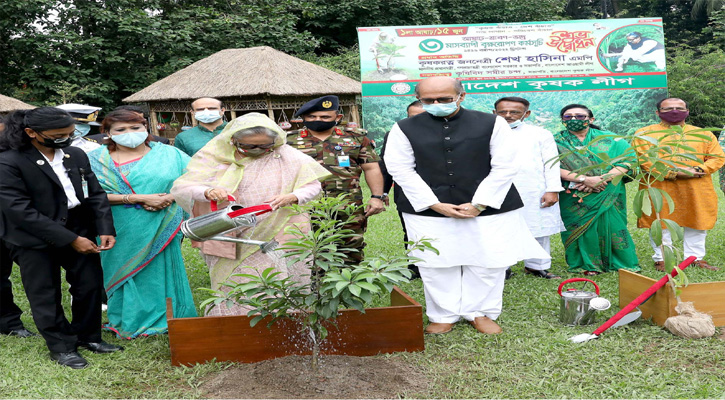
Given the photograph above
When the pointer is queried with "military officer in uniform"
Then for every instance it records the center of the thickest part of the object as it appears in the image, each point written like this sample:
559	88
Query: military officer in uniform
346	155
85	117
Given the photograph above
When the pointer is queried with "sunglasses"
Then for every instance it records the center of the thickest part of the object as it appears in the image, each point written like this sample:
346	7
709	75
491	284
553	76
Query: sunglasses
581	117
441	100
254	146
60	140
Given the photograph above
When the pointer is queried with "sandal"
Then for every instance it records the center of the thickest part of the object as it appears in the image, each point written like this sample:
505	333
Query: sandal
591	273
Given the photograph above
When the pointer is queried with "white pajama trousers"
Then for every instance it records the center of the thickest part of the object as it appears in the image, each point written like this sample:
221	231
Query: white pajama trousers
693	243
464	291
540	264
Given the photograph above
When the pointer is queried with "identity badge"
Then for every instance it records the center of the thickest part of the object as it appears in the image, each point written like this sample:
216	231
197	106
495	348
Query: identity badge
343	161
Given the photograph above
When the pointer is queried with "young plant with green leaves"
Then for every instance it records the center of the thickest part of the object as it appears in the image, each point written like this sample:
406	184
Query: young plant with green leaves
332	284
655	157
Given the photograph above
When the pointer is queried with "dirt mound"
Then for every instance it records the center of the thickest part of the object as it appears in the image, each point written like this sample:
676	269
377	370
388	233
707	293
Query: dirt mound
341	377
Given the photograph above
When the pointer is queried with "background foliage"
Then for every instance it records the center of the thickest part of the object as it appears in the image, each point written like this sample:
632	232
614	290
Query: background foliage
100	51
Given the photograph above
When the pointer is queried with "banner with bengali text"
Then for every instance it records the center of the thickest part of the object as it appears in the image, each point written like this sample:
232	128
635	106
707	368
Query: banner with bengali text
614	66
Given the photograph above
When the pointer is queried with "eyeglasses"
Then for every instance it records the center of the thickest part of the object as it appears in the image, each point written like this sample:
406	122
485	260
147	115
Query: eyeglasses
674	108
60	140
441	100
581	117
265	146
514	113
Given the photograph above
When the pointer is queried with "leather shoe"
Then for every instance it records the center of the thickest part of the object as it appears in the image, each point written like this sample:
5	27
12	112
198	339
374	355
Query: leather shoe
660	266
509	273
21	333
704	264
438	328
100	347
71	359
486	325
541	274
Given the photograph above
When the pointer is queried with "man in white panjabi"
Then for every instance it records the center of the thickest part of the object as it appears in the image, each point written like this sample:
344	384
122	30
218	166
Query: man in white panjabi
538	180
456	169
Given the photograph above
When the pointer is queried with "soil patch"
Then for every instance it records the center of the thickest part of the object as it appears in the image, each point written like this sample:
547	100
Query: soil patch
342	377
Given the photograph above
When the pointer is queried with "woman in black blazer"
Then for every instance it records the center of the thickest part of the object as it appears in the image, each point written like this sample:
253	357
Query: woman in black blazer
51	211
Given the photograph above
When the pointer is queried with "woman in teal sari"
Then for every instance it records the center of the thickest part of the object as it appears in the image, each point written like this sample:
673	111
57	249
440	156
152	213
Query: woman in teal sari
145	267
594	208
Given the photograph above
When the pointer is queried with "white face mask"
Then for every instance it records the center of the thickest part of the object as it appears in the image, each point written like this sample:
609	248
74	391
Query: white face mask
516	123
207	116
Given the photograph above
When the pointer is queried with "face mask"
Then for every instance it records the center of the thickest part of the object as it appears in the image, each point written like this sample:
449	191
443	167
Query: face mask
81	130
320	126
516	123
674	116
207	116
441	110
53	144
253	152
130	139
576	125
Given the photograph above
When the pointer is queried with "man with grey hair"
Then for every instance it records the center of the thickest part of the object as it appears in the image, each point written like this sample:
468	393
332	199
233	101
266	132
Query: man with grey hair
456	169
209	113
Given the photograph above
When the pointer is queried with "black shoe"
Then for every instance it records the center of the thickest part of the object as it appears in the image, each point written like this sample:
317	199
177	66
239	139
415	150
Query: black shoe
541	274
100	347
509	273
415	272
21	333
71	359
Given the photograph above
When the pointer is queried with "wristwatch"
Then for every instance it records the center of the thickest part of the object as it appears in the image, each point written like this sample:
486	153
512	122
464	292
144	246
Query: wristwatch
375	196
581	178
480	207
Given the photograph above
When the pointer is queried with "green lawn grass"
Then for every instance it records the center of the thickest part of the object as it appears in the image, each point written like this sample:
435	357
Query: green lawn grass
531	359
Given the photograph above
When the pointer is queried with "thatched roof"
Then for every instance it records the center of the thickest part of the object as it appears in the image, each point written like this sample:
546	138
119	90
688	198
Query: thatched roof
8	104
247	72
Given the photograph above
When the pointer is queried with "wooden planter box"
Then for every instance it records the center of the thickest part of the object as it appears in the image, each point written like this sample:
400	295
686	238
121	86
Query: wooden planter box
708	298
230	338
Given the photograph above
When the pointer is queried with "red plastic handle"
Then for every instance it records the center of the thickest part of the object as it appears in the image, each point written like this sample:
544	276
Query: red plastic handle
214	205
256	210
578	280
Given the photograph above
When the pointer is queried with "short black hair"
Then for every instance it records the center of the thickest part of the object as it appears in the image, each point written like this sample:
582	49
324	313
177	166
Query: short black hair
570	106
416	103
135	109
659	103
513	99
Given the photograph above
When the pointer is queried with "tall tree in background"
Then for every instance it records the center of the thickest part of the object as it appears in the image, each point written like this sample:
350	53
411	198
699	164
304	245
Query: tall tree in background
101	51
334	22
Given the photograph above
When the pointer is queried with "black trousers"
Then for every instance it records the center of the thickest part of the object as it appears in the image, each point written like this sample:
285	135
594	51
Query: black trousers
9	311
40	273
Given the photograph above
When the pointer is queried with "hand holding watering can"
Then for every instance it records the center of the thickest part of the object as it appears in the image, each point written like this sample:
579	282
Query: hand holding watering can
217	224
216	195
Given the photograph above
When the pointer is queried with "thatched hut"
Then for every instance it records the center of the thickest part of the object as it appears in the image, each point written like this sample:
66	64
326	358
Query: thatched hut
8	104
259	79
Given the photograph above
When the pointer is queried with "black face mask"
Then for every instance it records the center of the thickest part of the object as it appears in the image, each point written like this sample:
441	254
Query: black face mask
320	126
53	144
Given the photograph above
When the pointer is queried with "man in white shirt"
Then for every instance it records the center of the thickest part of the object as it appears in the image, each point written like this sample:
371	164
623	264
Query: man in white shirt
537	181
641	50
456	168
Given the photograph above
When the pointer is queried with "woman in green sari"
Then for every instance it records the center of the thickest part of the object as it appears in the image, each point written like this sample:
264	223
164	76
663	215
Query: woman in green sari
594	208
145	267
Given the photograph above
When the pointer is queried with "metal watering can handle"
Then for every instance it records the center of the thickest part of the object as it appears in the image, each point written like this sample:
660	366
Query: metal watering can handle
256	210
561	286
214	205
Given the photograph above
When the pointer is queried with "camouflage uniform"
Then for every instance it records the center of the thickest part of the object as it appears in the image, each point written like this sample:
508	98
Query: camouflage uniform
344	179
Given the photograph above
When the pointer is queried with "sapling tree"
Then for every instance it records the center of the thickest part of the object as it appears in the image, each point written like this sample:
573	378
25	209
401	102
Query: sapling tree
332	284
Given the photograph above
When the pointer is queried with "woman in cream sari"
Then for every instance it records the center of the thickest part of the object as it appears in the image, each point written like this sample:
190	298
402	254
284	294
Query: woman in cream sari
250	161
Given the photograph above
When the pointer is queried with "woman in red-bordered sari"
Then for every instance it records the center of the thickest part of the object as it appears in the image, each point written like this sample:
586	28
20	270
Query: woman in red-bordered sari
145	267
